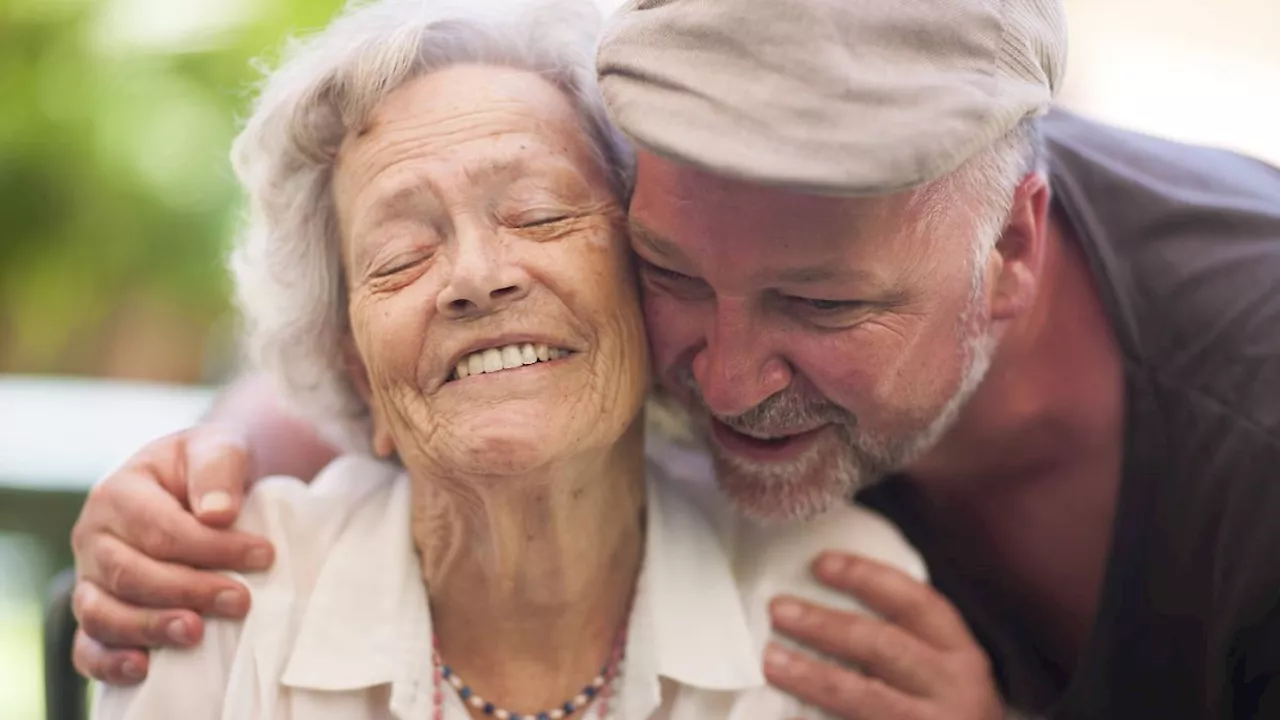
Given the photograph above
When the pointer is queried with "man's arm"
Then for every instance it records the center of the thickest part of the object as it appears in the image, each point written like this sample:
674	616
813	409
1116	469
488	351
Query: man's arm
137	542
220	678
186	684
279	443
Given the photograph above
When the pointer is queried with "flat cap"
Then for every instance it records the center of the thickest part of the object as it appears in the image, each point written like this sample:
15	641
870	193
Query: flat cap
847	97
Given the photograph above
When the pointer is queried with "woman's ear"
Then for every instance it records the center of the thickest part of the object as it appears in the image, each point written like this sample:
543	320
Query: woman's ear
1018	258
383	442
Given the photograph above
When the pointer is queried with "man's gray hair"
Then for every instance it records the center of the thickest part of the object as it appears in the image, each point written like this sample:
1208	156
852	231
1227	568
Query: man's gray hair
983	188
988	180
287	265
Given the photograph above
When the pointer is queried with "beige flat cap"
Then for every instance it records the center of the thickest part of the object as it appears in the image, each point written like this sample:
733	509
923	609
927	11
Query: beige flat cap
848	97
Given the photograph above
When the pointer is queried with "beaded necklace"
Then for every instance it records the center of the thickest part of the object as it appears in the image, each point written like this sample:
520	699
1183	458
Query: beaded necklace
599	690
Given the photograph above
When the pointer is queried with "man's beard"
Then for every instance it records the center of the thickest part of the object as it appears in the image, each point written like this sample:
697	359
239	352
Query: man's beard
827	472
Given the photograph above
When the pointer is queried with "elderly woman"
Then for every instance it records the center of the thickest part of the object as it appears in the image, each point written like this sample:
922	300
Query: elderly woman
437	265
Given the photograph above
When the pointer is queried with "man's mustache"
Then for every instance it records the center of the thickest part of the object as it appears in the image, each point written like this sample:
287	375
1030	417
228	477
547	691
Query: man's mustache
784	410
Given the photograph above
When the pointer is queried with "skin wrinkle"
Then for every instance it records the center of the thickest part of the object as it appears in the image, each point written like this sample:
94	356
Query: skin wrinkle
888	384
528	487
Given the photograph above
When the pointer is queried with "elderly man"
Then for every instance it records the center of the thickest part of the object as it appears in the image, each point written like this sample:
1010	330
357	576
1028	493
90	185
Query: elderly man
875	262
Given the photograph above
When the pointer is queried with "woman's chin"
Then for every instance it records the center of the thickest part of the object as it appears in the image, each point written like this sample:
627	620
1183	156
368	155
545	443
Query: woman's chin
519	433
510	446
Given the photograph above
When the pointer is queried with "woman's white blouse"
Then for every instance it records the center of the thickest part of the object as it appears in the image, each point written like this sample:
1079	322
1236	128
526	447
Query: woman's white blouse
340	626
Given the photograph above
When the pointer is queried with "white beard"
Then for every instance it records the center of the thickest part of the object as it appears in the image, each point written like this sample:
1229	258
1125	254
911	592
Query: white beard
828	473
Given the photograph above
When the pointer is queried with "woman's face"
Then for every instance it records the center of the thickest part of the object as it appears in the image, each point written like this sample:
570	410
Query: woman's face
495	322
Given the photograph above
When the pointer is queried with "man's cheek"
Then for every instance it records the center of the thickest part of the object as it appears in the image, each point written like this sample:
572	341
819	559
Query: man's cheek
673	333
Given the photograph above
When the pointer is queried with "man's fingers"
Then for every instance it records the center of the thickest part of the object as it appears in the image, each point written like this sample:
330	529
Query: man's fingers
900	598
132	577
116	625
149	519
218	469
881	649
845	693
114	667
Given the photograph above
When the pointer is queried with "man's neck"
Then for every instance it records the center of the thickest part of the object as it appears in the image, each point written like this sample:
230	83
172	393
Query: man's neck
1028	479
531	578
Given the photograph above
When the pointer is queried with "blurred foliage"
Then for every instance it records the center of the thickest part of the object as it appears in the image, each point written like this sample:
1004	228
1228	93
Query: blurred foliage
117	201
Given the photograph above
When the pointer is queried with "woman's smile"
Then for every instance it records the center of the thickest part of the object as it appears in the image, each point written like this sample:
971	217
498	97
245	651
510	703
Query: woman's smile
504	359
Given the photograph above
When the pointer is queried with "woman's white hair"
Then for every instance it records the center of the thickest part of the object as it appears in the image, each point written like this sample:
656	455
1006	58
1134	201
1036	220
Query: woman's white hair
287	265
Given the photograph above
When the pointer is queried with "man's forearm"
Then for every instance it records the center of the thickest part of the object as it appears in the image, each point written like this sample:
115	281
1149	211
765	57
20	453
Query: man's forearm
281	443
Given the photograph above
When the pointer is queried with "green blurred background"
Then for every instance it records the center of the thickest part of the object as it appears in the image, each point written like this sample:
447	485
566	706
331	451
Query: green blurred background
116	207
117	202
115	193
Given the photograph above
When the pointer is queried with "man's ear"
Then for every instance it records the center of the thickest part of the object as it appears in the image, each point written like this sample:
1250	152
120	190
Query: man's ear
383	442
1018	259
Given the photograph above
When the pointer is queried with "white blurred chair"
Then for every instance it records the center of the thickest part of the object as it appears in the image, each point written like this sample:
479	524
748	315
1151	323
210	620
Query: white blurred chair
58	436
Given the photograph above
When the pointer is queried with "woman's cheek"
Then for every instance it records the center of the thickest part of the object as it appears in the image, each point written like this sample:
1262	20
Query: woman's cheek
391	335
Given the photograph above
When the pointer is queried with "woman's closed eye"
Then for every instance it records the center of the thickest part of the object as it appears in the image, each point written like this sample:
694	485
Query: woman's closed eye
392	267
543	221
543	225
398	263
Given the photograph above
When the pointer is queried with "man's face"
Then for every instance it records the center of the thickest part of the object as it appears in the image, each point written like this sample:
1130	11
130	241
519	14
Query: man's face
826	341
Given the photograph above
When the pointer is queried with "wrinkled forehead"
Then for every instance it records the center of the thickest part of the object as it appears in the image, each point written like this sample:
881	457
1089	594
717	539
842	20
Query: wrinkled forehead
464	126
686	204
464	102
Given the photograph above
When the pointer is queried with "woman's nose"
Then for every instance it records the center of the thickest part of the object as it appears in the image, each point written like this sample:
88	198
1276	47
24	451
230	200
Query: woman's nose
483	279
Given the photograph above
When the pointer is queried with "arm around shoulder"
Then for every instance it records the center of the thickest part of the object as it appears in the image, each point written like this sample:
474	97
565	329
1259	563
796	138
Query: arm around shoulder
222	675
281	442
190	684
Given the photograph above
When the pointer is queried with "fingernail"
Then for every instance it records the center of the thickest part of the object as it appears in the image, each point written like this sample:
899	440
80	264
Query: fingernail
177	632
833	565
777	658
131	670
257	559
214	502
787	611
228	602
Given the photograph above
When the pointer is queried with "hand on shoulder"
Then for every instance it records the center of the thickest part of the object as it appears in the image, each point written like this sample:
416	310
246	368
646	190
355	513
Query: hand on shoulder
137	545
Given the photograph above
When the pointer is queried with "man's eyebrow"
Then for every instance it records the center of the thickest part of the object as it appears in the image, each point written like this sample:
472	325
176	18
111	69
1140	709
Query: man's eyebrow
654	241
818	274
659	245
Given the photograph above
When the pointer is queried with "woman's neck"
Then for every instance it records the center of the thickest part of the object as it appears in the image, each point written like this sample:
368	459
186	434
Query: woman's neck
531	577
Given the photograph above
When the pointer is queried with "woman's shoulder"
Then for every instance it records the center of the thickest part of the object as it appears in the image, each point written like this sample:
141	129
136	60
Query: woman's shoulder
349	504
785	549
346	487
777	558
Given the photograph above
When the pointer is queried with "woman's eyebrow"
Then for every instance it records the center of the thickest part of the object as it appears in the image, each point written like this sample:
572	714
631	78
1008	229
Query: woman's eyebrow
418	196
503	168
411	199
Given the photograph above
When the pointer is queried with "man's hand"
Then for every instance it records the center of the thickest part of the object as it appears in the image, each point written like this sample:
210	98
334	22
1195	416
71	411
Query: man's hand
919	662
136	544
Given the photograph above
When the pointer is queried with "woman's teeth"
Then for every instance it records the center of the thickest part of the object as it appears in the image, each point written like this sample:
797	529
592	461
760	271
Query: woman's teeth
505	358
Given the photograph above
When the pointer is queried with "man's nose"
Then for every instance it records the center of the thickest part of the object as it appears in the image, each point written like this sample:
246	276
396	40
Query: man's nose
735	370
483	278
